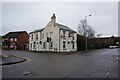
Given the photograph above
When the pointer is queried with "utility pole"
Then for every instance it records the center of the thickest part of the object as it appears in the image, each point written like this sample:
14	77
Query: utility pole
86	30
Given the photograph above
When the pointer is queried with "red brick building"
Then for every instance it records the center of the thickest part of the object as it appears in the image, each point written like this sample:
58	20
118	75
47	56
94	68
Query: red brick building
16	40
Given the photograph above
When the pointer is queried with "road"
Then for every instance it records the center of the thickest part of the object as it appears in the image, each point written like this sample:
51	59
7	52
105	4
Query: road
100	63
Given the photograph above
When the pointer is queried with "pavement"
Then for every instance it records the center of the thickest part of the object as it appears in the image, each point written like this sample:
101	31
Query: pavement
11	59
101	63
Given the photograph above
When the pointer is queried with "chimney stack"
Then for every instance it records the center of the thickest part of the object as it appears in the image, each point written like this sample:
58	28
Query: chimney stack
53	19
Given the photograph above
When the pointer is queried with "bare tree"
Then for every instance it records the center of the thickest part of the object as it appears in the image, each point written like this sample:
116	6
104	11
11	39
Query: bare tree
85	30
99	35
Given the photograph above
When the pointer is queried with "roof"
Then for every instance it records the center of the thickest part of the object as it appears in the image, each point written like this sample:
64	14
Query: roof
58	25
38	30
13	34
64	27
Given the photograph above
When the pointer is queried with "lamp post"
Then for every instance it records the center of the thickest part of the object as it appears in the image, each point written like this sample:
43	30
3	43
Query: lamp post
86	30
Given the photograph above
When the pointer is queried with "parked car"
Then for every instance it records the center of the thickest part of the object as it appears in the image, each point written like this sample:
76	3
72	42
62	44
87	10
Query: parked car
112	47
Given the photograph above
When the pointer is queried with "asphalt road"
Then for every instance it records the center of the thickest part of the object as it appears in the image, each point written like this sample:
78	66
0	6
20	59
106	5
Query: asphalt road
100	63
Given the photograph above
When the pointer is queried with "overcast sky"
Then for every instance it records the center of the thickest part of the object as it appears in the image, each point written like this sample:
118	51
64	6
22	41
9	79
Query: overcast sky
30	16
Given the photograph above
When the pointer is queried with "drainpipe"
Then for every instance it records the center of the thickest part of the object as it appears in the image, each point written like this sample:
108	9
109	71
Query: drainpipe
59	40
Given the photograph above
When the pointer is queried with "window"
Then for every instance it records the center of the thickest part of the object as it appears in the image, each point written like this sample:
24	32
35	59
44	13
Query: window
6	38
31	37
64	46
11	39
44	45
63	34
36	36
69	34
73	46
34	44
2	39
51	45
46	34
40	42
31	45
40	35
68	42
15	39
73	38
48	39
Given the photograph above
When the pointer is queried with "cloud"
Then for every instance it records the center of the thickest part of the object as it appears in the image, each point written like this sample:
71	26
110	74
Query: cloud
31	15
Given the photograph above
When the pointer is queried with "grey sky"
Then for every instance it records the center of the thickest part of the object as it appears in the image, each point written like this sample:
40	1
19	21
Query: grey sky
32	15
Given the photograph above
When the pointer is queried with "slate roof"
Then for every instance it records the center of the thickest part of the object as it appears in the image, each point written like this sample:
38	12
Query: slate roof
38	30
13	34
64	27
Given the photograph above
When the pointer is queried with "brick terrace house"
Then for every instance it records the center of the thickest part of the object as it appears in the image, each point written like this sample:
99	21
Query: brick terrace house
105	42
0	42
15	40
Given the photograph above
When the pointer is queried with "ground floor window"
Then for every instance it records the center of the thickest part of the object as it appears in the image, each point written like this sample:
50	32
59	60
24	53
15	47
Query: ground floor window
73	45
44	45
40	42
31	45
34	44
51	45
64	45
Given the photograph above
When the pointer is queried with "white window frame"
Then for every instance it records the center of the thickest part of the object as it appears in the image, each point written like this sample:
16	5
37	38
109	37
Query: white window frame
11	39
64	45
15	39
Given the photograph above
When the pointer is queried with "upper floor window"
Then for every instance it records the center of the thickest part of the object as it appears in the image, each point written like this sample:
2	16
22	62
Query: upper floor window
11	39
69	34
73	38
64	32
2	39
15	39
40	35
6	38
31	37
46	34
36	36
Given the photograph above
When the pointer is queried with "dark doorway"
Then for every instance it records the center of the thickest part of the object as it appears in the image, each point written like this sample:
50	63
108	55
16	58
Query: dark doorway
24	47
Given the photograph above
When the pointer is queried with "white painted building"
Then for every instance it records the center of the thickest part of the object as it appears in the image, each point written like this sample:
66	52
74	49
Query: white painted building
54	37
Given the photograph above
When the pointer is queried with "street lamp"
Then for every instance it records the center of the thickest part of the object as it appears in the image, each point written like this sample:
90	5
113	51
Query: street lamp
86	30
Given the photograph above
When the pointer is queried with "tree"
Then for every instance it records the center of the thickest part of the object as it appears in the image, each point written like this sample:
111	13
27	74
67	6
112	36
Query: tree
88	32
85	30
98	42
